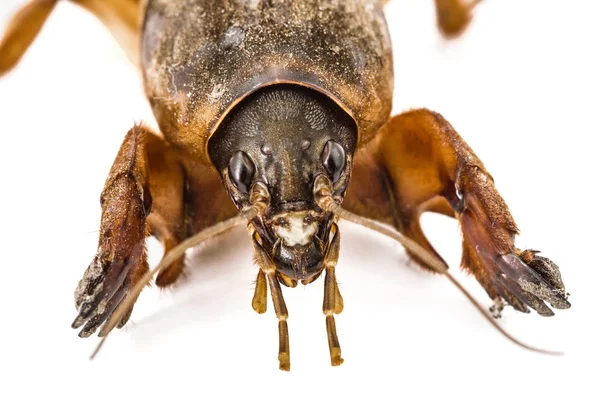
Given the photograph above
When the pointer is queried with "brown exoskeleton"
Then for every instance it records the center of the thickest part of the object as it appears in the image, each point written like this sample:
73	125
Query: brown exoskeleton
283	104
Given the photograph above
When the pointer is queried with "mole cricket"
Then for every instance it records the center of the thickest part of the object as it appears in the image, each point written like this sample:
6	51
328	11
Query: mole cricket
277	114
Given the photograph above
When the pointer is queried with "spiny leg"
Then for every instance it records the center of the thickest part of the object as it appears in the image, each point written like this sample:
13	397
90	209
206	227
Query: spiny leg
267	266
179	209
420	163
332	299
121	255
142	175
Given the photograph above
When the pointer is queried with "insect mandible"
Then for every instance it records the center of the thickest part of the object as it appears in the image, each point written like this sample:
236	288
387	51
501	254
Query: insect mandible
276	114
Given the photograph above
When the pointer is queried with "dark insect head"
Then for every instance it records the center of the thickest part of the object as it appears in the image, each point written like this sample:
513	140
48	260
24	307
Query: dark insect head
274	145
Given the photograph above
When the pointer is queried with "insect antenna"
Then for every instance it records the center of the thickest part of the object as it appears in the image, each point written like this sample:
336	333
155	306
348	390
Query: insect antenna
324	198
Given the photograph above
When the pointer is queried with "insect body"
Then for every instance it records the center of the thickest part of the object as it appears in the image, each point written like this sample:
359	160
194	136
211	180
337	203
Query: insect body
276	114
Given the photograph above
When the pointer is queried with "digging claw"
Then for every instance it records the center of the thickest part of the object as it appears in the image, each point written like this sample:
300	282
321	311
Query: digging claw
549	272
526	280
99	292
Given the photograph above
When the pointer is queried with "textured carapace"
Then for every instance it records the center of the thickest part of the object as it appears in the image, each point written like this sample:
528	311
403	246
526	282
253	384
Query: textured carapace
196	72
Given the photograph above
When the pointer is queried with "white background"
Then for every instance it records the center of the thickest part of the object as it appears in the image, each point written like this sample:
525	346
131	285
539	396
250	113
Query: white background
521	87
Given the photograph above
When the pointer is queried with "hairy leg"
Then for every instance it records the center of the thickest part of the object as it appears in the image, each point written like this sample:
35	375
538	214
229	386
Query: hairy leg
121	257
419	163
143	193
150	189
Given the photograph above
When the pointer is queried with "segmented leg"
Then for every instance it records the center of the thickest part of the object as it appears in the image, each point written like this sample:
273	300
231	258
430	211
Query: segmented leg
122	17
419	163
145	176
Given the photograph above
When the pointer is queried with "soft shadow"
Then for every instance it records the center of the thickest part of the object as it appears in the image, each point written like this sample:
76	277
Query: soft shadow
215	275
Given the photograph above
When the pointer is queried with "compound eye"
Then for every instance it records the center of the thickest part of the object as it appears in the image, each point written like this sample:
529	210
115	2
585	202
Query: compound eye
241	171
333	159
